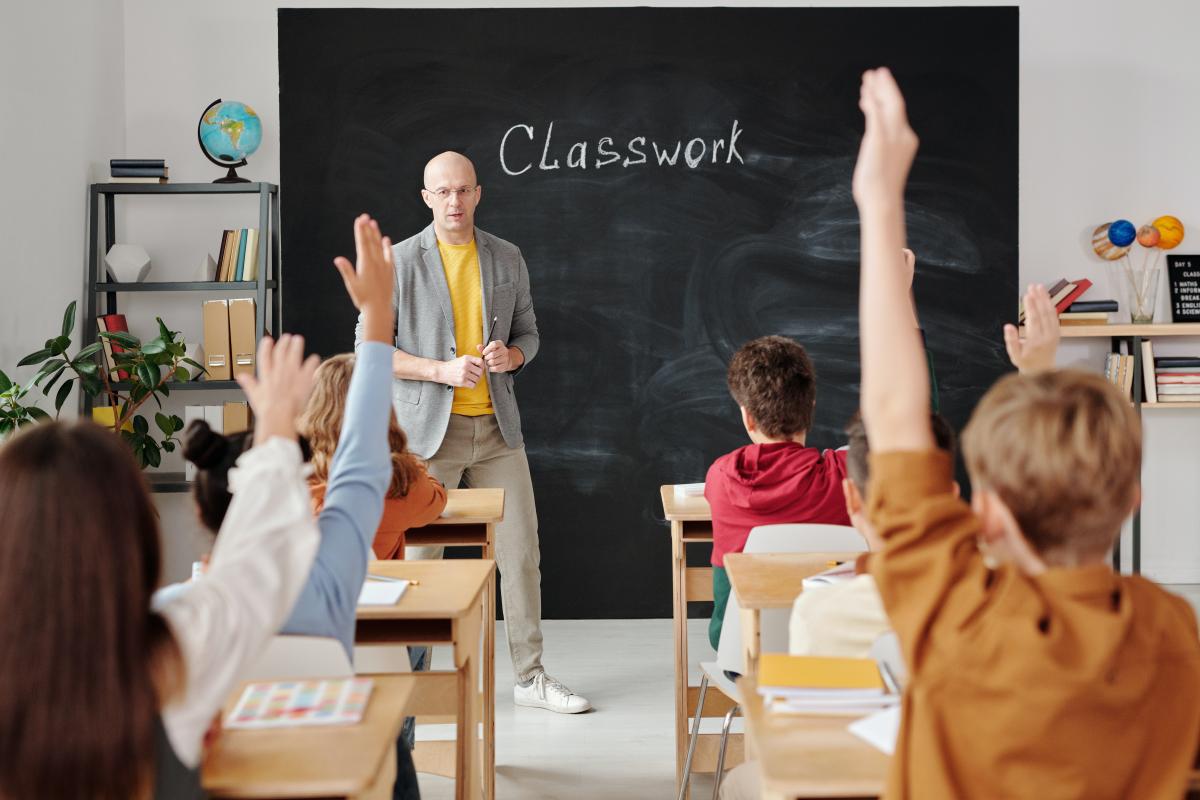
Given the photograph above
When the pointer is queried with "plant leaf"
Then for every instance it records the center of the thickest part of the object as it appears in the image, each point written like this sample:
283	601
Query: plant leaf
63	392
192	363
140	425
147	375
6	426
152	454
122	338
87	368
59	345
163	331
53	380
176	423
163	422
37	414
5	383
68	325
169	446
35	358
88	351
182	374
154	346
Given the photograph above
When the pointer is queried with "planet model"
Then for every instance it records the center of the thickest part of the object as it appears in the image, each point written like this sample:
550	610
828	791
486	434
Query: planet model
1148	236
1122	233
1104	246
1170	231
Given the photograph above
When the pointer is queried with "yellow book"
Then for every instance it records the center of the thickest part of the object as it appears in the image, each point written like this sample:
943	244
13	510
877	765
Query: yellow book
779	673
107	416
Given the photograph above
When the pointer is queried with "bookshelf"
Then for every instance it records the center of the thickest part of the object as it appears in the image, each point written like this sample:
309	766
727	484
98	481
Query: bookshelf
1132	336
99	292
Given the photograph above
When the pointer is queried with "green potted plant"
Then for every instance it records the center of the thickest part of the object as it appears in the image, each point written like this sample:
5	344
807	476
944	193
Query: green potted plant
151	366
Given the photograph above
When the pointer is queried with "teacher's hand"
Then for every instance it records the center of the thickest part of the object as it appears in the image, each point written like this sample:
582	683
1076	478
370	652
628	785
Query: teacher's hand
500	358
463	372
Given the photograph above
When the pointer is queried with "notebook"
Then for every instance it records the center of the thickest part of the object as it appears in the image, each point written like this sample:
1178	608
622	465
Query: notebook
839	574
683	490
820	685
285	704
879	729
381	593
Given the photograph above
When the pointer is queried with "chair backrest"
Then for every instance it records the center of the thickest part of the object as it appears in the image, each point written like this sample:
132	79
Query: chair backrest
773	622
288	657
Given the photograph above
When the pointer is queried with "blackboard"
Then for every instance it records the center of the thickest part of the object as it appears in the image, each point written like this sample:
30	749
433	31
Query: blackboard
1183	273
647	276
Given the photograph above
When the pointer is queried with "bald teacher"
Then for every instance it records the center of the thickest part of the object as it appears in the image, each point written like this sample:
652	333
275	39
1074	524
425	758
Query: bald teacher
465	328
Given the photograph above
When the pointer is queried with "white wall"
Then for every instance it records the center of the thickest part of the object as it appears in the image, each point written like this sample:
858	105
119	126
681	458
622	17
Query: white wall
1108	113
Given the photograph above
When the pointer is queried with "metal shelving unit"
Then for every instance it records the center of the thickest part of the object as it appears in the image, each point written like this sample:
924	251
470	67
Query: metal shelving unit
98	289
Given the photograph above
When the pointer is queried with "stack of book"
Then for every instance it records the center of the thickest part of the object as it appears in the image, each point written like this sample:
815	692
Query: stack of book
818	685
1176	378
138	170
1073	311
238	259
1118	368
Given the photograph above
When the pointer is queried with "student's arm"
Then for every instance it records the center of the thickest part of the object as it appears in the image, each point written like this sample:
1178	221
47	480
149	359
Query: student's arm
361	467
895	407
261	558
1036	352
425	501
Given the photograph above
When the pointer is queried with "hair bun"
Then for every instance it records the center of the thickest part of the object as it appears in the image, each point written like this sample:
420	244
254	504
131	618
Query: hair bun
203	446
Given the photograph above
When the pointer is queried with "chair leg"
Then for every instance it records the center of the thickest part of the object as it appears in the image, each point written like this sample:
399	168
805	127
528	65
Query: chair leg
687	763
721	753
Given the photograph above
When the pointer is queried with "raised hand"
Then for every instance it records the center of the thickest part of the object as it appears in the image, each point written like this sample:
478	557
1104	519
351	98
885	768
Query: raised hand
369	281
1036	352
888	144
281	388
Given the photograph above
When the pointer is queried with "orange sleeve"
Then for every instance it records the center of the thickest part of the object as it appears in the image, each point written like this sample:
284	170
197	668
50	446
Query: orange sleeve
426	499
930	570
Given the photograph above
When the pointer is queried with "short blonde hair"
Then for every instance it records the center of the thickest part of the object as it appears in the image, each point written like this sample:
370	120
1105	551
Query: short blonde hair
1063	450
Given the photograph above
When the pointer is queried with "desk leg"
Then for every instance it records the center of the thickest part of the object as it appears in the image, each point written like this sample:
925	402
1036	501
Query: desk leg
750	639
489	672
467	748
679	616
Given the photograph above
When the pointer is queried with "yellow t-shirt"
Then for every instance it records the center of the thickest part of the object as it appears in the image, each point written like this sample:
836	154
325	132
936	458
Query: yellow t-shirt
461	262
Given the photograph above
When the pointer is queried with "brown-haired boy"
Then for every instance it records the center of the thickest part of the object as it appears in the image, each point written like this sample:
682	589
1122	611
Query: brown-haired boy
1035	670
776	478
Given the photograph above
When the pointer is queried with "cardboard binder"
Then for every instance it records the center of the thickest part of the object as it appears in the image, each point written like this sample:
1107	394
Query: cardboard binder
236	418
216	340
242	337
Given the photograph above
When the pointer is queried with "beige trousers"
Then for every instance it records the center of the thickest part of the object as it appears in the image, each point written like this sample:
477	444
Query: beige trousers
475	455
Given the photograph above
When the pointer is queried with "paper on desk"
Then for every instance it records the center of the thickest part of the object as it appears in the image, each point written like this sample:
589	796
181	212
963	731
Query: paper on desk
683	490
879	729
381	593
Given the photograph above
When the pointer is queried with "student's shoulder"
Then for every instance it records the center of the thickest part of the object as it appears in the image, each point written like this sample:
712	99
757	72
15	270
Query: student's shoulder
1172	615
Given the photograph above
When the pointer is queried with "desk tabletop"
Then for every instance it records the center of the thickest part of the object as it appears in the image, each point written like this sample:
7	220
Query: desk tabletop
773	580
445	589
685	508
811	756
340	760
472	506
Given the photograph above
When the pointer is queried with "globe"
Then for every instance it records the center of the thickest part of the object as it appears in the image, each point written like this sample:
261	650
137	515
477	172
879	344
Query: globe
228	132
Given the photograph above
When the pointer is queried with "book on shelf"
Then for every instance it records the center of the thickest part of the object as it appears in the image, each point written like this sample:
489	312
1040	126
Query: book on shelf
121	179
1149	378
240	269
228	241
1180	398
139	172
251	273
1080	286
1063	295
1176	362
137	163
1178	378
1167	389
1083	318
1118	370
107	323
1090	306
238	258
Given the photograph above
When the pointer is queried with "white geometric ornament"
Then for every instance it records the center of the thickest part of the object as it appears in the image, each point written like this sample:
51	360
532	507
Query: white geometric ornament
127	263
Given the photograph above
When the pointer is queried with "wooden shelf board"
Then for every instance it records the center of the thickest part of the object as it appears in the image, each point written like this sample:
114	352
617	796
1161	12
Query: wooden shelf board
1150	330
1188	404
183	286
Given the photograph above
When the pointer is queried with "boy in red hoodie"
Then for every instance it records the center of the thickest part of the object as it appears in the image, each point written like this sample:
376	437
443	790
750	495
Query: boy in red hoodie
776	478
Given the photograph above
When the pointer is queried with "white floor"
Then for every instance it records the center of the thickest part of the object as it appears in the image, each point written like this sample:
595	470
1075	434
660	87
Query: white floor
622	749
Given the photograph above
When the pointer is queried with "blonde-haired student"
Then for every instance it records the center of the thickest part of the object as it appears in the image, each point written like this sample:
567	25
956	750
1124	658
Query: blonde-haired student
1034	669
414	497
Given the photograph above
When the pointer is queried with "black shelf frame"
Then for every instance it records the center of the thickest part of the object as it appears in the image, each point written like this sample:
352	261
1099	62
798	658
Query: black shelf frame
97	288
1134	344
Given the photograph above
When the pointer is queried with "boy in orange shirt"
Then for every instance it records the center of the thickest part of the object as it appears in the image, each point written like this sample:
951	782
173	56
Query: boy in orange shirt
1035	670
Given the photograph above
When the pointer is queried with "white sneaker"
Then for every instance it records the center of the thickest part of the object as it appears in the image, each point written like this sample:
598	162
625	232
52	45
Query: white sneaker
545	692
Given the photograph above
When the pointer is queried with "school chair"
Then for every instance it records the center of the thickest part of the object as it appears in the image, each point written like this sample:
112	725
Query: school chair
773	625
299	657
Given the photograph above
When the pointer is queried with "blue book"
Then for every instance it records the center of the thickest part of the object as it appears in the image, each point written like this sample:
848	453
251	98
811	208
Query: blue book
241	262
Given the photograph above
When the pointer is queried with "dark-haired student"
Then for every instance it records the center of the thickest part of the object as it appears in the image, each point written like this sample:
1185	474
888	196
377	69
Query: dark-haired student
100	695
359	475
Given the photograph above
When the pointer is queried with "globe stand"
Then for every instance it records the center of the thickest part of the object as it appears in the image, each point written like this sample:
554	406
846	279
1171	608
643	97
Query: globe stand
232	176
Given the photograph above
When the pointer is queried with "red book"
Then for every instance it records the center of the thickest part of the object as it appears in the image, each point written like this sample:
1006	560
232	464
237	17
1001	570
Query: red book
115	322
1081	286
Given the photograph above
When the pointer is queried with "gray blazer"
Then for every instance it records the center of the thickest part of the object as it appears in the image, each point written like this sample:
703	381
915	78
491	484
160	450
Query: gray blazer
425	327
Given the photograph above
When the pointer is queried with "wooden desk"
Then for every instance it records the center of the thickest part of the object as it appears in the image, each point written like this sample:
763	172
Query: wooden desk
809	756
340	761
448	606
469	520
771	580
691	526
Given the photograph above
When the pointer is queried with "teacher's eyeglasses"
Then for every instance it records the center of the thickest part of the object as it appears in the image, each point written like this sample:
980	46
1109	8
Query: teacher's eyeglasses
444	194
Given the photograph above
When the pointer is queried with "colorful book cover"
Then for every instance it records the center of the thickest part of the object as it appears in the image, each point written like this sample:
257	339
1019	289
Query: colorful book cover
285	704
241	255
